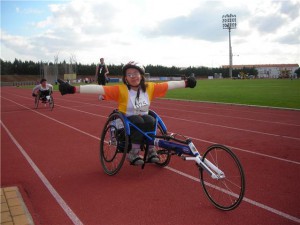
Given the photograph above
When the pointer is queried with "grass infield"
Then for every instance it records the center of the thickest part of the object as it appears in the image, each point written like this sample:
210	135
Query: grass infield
262	92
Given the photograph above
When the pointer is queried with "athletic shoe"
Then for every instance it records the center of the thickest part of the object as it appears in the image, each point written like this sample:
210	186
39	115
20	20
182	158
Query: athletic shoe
152	156
134	158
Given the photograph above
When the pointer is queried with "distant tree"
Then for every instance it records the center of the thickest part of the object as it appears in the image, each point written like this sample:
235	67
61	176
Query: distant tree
6	67
297	71
35	68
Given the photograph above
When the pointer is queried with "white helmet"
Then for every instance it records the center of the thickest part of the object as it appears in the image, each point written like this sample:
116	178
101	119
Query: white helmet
133	64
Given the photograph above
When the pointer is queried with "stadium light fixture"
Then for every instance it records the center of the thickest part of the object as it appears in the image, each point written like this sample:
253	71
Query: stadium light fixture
229	22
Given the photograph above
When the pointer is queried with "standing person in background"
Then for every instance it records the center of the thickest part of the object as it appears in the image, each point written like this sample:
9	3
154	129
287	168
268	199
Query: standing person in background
101	72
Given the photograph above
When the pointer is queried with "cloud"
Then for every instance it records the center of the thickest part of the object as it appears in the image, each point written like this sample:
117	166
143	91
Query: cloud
289	8
155	32
268	23
79	16
203	23
292	37
19	45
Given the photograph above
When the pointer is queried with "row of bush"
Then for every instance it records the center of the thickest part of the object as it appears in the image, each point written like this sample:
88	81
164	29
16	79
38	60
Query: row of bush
19	67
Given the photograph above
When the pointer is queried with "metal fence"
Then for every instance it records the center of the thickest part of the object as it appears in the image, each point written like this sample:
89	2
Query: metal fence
18	83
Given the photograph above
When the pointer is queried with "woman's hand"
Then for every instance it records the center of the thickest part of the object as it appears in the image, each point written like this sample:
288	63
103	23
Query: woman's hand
191	82
65	87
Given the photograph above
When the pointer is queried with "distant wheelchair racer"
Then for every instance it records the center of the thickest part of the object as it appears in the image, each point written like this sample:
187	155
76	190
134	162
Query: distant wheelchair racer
43	92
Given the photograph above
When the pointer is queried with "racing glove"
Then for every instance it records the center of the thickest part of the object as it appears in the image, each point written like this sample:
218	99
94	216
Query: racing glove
65	87
190	82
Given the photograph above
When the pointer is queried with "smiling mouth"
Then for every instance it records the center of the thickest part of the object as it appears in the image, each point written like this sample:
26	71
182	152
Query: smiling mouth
135	81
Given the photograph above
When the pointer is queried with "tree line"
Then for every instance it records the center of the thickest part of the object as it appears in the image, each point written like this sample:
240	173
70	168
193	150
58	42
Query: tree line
19	67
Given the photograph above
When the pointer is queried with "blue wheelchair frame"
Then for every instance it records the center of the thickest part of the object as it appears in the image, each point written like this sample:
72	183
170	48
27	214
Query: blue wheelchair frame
181	147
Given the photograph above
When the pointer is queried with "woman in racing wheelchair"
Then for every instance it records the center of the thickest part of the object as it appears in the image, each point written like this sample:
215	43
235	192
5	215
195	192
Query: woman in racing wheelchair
134	98
43	89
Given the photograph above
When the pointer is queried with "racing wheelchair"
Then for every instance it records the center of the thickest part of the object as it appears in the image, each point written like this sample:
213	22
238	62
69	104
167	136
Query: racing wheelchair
221	173
44	98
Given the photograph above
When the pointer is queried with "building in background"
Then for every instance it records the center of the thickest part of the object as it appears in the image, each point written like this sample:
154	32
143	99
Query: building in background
270	70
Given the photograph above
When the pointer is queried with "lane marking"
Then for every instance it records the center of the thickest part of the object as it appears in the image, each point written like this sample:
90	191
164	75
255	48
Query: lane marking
198	139
234	128
230	104
252	202
222	126
276	135
195	112
45	181
211	124
67	125
233	117
154	105
248	151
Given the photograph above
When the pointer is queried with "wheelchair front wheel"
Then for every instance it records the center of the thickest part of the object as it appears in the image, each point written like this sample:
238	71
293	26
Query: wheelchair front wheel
224	193
51	103
36	101
113	144
163	154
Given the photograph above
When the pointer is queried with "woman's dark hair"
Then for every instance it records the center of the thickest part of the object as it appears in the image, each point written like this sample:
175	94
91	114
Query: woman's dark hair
141	69
42	80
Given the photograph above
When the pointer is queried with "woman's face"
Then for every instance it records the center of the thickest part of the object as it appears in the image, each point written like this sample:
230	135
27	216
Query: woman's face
133	77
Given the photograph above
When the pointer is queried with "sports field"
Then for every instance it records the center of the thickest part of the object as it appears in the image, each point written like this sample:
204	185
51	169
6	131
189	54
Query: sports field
262	92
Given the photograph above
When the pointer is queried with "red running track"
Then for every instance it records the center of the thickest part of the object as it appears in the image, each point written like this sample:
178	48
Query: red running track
53	158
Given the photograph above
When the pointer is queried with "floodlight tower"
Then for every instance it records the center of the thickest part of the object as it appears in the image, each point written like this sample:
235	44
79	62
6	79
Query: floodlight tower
229	22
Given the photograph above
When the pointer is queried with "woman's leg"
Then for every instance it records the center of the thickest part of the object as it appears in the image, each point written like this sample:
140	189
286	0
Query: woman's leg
136	139
149	125
146	123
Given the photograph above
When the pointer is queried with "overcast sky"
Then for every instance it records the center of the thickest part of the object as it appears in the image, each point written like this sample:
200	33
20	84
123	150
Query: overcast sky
165	32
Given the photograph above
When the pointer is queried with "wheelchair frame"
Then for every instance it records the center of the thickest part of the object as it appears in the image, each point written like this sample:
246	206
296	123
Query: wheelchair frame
170	145
50	101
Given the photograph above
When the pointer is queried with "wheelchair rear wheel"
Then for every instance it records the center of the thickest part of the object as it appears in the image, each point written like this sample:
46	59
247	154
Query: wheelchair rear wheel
113	144
225	193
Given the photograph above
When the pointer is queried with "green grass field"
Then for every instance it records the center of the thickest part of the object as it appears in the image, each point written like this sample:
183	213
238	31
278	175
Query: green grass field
262	92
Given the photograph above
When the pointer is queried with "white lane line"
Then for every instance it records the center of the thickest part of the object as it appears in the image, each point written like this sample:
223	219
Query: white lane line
234	128
265	207
248	151
211	124
230	104
198	139
202	140
260	205
222	126
233	117
45	181
195	112
74	128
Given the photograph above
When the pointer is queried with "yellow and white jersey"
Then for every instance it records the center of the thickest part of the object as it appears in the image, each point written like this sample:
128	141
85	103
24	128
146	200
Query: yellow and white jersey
129	104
